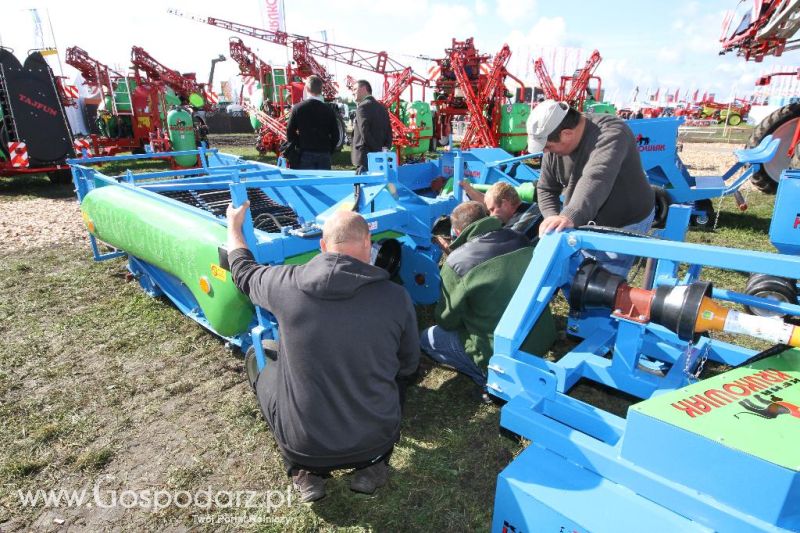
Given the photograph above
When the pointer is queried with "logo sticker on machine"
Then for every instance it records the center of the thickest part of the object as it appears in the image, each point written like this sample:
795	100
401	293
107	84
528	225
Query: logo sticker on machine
218	272
373	225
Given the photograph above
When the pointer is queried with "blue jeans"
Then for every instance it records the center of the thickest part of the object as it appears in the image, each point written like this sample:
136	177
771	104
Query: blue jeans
618	263
445	348
314	161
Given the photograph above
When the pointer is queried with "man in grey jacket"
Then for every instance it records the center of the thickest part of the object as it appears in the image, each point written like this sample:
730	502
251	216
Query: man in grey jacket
593	160
372	129
347	334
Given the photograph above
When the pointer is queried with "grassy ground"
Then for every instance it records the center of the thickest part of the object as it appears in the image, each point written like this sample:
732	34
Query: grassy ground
102	385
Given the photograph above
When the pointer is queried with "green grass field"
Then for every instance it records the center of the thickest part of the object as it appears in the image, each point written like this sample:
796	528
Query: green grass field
101	385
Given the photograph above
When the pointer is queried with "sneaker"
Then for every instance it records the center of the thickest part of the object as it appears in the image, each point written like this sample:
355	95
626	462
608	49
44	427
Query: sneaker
368	480
311	487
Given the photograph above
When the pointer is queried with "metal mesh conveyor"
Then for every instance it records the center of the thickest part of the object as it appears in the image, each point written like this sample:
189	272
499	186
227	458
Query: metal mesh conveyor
268	215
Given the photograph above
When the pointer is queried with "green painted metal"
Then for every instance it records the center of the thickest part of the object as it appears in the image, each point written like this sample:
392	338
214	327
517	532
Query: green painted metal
170	98
176	241
715	409
122	95
181	135
197	100
257	101
513	135
418	114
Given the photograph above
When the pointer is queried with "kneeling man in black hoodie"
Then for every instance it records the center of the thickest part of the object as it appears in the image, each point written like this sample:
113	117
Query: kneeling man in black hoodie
347	333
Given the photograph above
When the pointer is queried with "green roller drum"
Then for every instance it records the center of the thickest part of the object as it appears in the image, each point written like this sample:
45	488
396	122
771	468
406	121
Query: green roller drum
176	241
181	134
423	119
513	135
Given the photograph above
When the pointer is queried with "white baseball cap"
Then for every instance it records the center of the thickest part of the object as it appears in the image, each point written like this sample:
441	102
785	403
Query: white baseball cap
543	121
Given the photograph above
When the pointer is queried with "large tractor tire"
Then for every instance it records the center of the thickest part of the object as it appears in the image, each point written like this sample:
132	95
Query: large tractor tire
734	119
781	124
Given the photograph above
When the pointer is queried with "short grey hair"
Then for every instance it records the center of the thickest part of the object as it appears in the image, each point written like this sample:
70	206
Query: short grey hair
345	227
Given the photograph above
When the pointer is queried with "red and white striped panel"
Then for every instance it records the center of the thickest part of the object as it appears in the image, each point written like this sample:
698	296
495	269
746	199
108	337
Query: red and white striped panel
81	145
211	97
249	83
71	91
18	152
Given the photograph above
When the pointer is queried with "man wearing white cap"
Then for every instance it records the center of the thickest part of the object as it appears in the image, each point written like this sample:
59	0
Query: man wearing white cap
593	160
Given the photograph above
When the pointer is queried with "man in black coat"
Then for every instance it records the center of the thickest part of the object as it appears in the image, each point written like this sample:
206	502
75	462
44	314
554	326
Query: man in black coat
372	130
348	337
314	128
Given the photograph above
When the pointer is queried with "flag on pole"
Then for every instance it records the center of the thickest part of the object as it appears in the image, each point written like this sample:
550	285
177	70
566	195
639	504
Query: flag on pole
276	20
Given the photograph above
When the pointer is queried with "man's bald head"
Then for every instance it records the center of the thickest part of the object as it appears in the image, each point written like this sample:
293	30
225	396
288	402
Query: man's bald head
347	233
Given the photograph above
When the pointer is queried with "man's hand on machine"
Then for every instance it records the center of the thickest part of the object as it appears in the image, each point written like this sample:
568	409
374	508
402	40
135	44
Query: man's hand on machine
555	223
236	215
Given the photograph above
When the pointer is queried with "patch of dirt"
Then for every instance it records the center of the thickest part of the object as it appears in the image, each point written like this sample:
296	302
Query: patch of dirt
40	222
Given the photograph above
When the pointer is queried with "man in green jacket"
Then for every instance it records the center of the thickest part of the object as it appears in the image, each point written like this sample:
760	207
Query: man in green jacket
481	274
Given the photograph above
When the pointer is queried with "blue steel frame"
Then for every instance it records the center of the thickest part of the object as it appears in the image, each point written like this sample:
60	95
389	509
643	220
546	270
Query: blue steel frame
384	202
576	443
665	169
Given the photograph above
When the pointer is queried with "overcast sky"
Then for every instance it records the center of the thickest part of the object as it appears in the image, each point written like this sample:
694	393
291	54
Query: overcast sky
646	44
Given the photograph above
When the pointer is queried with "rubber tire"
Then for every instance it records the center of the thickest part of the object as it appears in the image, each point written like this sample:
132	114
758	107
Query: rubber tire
60	177
708	207
761	179
662	206
764	283
734	119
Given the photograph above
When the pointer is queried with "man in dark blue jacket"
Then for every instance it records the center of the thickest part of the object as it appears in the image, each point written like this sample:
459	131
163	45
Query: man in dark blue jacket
313	126
347	333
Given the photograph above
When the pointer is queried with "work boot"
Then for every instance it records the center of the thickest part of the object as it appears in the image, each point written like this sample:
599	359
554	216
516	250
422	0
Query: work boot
310	486
368	480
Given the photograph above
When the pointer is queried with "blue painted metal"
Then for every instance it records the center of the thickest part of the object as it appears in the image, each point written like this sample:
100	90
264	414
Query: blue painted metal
784	231
657	141
590	470
479	165
385	203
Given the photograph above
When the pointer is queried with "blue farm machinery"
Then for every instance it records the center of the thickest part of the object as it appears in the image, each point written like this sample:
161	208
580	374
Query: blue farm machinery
714	454
171	224
657	141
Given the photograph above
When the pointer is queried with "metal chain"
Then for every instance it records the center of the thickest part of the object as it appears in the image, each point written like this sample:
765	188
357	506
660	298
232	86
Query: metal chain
719	210
701	361
688	358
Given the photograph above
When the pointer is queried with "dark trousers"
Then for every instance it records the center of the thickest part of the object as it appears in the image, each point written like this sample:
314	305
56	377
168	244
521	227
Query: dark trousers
324	471
314	161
